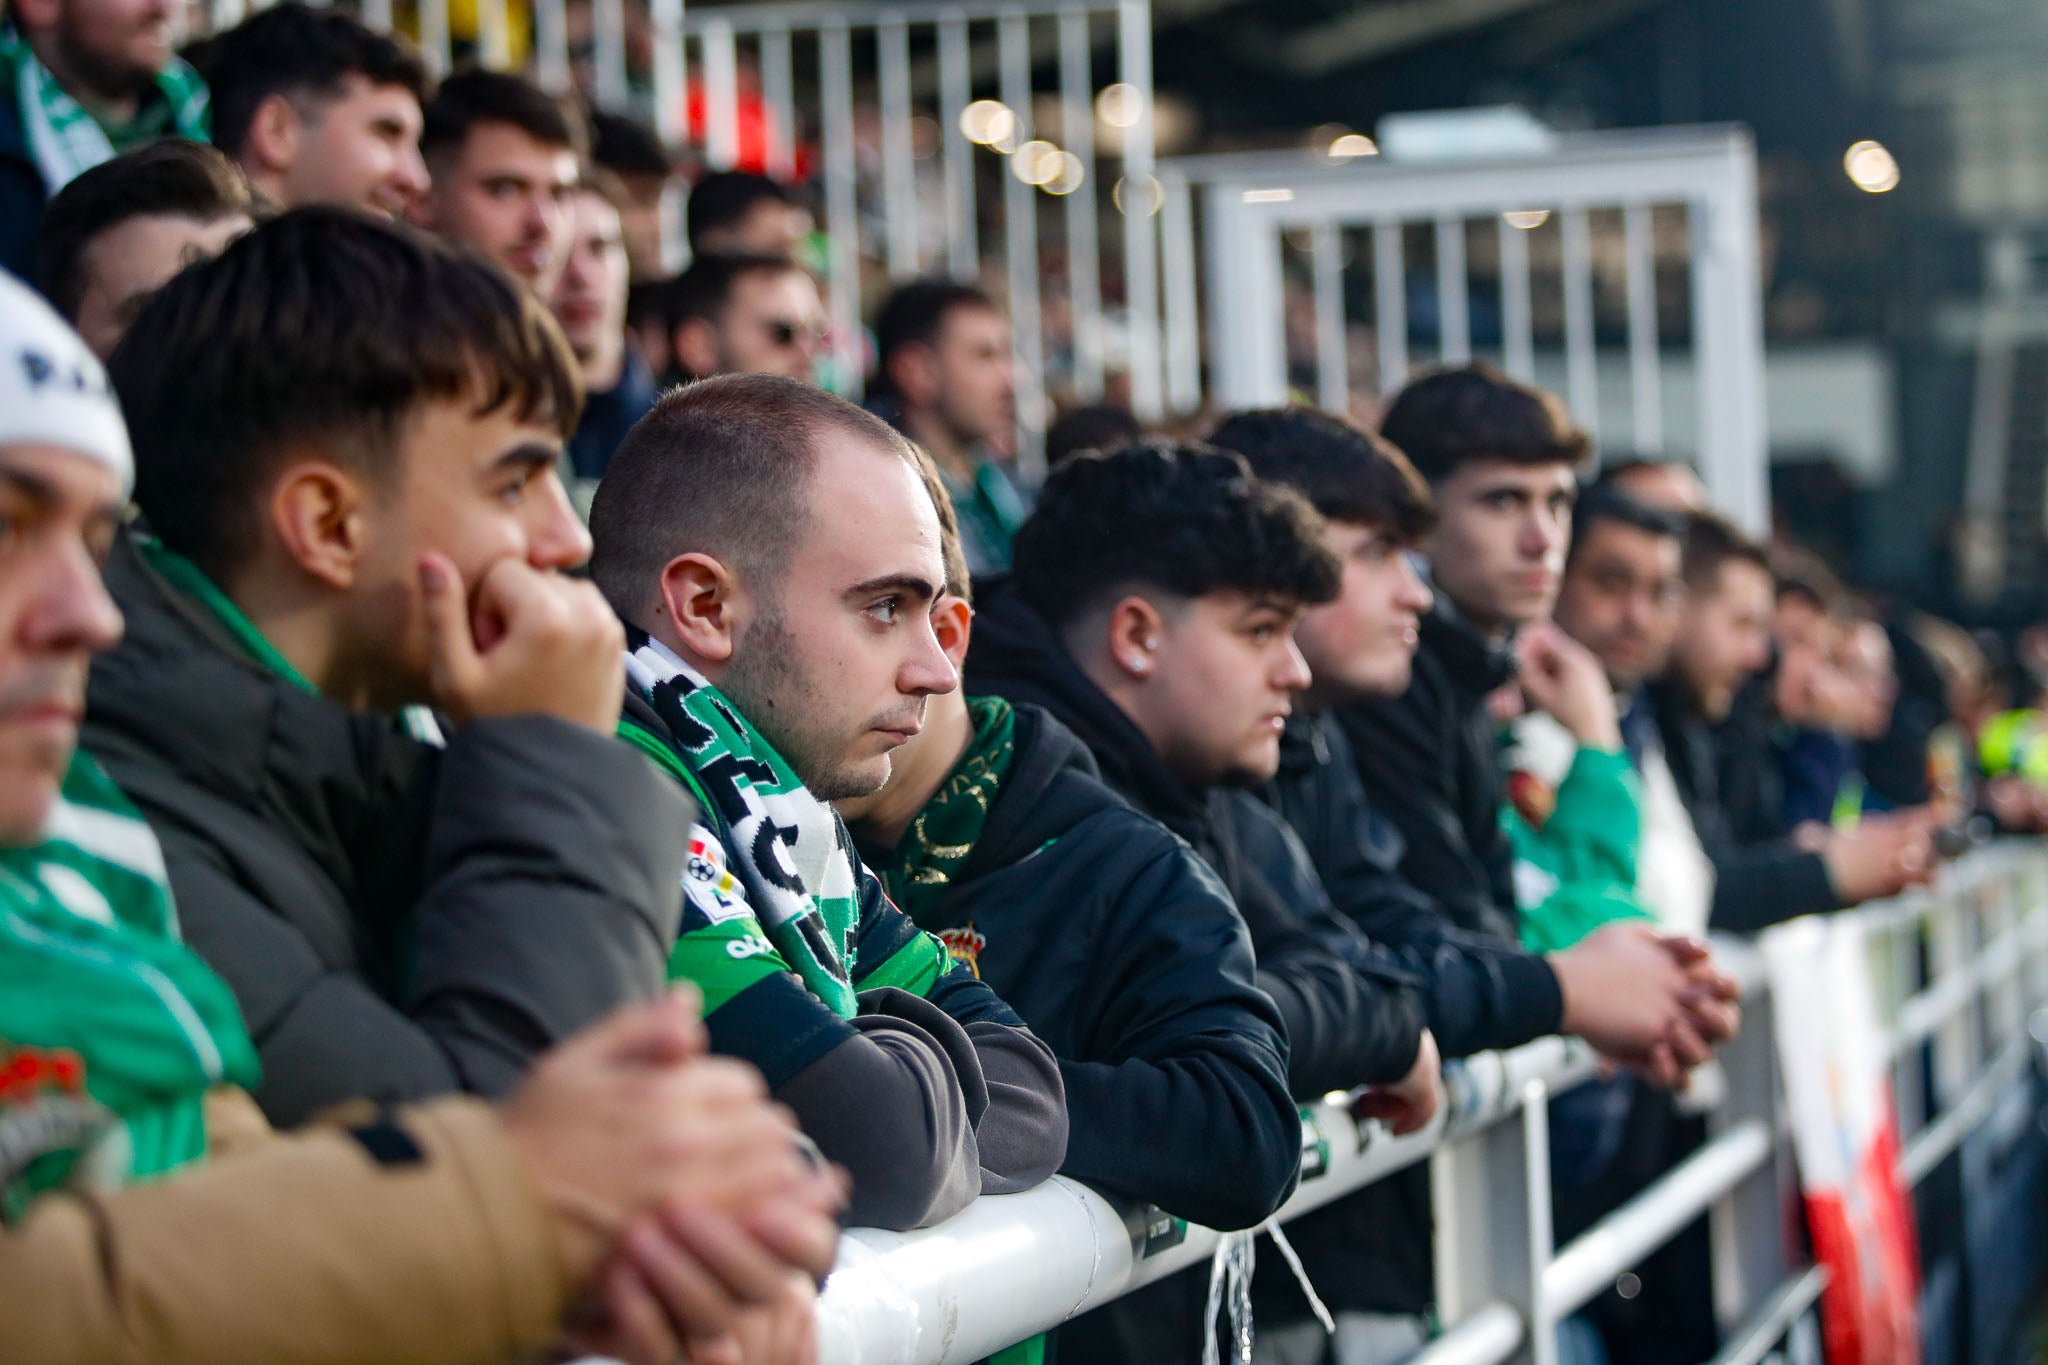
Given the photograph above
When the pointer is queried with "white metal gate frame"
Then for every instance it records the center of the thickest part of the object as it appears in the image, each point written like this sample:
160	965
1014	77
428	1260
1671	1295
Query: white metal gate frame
1249	200
1964	975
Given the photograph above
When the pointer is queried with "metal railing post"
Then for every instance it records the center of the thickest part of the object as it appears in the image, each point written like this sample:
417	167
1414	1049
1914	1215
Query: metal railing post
1482	1195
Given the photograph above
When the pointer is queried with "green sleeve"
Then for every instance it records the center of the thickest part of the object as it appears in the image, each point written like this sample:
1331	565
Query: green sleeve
1578	872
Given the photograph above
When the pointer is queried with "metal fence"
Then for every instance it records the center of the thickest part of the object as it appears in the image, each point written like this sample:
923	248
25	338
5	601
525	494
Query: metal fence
1961	974
1649	238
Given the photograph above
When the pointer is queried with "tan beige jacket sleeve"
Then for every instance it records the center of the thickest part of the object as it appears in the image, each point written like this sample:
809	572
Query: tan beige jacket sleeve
301	1250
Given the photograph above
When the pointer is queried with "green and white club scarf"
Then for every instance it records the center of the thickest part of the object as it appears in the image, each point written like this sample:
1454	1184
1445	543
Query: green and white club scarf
787	847
63	137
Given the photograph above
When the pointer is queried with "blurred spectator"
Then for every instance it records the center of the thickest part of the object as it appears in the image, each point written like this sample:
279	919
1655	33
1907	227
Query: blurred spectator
590	303
503	155
319	109
739	213
744	315
1656	483
1100	426
632	151
1723	638
944	377
80	81
116	234
1622	597
346	442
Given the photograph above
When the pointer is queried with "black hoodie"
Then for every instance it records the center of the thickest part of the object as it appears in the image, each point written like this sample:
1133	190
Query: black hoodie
1352	1016
1122	951
1429	759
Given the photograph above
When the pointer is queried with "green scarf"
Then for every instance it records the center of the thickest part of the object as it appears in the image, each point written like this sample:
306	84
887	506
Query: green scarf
787	848
921	868
111	1030
66	140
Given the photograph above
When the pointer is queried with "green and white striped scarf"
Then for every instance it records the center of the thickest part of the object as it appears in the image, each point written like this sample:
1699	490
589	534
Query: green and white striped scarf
66	139
788	848
111	1030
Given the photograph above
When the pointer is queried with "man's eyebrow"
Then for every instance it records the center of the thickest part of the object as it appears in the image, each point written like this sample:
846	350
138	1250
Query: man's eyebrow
527	455
1285	606
46	493
922	589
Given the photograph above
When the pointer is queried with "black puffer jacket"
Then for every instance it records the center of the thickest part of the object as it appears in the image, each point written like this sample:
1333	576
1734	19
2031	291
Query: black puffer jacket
1122	951
396	920
1352	1015
1428	761
1756	884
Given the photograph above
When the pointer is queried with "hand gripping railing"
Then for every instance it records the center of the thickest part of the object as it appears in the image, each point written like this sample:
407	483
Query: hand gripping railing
1969	965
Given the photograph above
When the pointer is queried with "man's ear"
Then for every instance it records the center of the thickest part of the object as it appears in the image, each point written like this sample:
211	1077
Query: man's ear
704	604
272	143
914	370
1135	626
953	623
696	342
316	512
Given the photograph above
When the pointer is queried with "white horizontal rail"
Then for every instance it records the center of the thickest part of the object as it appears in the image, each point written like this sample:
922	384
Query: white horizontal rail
1007	1268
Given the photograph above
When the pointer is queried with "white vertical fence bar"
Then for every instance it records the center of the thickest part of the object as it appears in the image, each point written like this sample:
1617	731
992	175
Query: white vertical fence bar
721	94
376	14
1084	248
434	42
1645	364
1582	385
1141	255
1333	369
1020	251
1182	293
842	212
1453	297
1517	318
899	166
778	94
493	34
1390	304
551	45
608	55
670	119
1728	338
963	256
1247	338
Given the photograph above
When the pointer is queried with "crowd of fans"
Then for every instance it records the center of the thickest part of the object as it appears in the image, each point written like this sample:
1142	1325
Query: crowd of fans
497	837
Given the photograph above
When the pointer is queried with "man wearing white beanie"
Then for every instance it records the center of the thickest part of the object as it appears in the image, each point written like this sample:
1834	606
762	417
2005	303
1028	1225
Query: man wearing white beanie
450	1231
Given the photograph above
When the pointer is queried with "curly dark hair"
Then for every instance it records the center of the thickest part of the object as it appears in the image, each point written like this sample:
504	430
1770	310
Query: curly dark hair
1185	518
1449	417
1346	471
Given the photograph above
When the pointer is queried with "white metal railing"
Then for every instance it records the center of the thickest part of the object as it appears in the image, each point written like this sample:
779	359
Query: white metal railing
1961	969
1529	245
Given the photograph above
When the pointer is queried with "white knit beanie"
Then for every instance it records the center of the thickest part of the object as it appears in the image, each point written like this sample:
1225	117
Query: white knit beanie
53	390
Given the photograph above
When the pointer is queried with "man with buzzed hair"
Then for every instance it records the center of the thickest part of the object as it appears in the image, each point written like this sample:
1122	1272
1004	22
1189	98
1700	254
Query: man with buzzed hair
776	560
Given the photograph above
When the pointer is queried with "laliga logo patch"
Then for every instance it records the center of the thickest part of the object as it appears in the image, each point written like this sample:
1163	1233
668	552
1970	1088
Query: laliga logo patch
965	945
715	891
45	1110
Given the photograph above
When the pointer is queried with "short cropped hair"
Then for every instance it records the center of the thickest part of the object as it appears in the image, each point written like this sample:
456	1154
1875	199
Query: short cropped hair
719	467
1799	572
1712	541
325	327
1450	417
627	147
959	581
168	179
474	96
1347	472
707	283
1186	519
1099	426
302	53
915	315
1602	504
723	199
